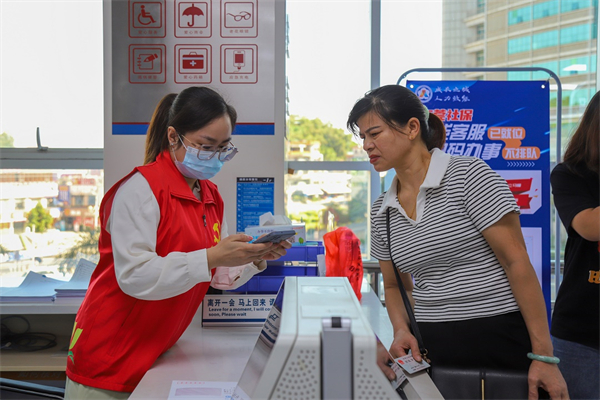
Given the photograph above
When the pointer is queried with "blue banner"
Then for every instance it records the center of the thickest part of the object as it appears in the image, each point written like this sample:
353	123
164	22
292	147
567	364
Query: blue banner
507	124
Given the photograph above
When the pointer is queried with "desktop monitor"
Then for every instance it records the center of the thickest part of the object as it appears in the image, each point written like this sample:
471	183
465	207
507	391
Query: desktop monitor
288	359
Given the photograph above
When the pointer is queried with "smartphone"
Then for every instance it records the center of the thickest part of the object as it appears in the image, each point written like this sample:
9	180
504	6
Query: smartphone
275	237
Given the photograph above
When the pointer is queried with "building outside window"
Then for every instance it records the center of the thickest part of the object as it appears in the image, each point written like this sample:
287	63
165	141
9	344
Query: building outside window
565	44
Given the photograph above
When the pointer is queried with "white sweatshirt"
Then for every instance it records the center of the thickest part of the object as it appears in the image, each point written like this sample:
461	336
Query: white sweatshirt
142	273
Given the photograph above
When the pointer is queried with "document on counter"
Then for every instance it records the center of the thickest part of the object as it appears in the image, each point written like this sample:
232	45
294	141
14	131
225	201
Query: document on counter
201	390
78	284
34	288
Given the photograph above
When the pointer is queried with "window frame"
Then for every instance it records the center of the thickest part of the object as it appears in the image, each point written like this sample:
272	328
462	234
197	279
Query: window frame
60	158
375	185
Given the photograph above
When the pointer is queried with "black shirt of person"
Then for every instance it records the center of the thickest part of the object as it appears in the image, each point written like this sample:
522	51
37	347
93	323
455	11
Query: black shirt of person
576	311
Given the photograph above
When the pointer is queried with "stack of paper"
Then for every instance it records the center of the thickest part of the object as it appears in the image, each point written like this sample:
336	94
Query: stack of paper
79	282
205	390
34	288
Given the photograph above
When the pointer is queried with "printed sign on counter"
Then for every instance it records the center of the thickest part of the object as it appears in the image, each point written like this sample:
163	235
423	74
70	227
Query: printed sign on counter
236	309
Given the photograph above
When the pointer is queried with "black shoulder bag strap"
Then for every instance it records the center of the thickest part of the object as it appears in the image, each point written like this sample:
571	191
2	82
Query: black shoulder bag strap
413	322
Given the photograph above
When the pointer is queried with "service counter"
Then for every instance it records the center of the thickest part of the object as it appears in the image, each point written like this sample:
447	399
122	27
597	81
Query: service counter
221	353
202	353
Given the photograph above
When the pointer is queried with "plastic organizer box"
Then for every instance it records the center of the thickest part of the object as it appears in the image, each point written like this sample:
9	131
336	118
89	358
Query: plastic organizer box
269	281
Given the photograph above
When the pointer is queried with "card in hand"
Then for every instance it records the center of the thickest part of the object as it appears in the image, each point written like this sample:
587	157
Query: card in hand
409	364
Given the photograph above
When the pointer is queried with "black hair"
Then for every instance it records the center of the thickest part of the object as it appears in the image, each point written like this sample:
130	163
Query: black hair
192	109
396	105
583	147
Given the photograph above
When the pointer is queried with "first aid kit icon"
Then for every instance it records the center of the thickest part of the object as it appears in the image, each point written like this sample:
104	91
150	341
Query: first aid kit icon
192	61
193	64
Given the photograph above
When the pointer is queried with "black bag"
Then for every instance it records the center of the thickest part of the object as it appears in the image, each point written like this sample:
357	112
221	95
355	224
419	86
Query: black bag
465	383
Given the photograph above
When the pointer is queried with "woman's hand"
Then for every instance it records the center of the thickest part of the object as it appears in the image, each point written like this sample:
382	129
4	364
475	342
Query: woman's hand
404	341
277	250
548	377
236	250
383	360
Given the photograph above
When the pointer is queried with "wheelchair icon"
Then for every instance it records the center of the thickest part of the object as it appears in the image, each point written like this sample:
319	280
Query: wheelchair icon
144	17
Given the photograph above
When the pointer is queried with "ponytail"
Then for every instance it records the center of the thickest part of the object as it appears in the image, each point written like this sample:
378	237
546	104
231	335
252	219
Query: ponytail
436	132
156	138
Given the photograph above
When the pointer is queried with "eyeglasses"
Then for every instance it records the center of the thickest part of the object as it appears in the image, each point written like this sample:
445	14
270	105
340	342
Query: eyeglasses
205	152
242	15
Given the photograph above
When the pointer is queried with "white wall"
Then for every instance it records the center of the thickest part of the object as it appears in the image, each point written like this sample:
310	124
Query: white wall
259	156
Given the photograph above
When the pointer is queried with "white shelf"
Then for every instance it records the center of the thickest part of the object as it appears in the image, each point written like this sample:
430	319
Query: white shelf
54	359
61	306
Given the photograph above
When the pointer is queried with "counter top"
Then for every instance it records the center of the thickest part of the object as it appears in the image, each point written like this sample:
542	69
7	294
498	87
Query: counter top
221	353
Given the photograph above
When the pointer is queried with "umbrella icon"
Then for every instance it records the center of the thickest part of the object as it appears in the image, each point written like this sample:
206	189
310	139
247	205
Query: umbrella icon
193	11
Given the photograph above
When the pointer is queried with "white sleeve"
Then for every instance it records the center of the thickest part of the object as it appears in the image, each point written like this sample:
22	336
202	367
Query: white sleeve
233	277
140	272
143	274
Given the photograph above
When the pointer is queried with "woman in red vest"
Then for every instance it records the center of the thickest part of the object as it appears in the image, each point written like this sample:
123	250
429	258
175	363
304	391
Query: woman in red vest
163	242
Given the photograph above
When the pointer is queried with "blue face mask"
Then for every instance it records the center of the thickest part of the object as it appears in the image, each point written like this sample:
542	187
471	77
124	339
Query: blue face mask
195	168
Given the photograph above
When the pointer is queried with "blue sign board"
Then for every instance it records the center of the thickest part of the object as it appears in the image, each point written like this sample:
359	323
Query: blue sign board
255	196
507	124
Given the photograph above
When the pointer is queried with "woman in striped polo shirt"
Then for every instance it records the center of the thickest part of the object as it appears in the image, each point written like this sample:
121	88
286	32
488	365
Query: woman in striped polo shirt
455	230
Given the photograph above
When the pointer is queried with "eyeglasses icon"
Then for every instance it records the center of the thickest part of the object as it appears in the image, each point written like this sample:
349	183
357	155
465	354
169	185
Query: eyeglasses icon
242	15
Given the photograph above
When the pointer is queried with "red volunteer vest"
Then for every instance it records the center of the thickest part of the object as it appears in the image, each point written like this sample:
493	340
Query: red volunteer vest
116	337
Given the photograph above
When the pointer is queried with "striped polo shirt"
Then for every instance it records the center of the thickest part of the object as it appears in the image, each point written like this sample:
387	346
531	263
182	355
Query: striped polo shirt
456	274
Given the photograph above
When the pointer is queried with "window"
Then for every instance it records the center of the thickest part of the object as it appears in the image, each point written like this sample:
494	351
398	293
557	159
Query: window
545	39
575	66
479	59
577	33
45	203
480	28
332	180
331	183
545	9
541	75
19	204
573	5
480	6
327	199
519	15
579	97
519	45
78	200
519	75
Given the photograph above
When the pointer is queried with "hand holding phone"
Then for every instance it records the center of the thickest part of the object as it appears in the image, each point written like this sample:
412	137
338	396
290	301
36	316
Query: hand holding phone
275	236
